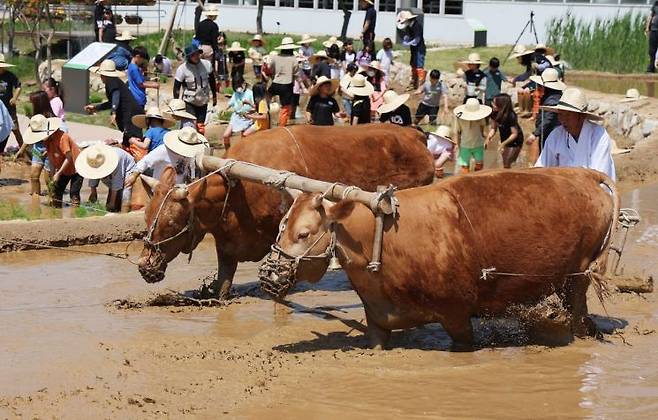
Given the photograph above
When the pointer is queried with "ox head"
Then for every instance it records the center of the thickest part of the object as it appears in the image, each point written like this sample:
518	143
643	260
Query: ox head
171	225
306	243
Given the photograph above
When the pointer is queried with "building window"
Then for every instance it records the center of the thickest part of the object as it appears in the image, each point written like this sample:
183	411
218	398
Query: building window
306	4
231	2
268	3
454	7
326	4
387	5
432	6
286	3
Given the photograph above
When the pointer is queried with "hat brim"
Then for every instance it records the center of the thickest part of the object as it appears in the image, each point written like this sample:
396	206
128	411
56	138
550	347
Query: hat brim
307	41
32	137
471	62
314	89
236	49
130	38
178	113
366	90
328	44
393	105
461	113
140	120
97	70
315	58
287	47
628	100
558	108
111	162
173	143
555	85
5	65
521	54
438	136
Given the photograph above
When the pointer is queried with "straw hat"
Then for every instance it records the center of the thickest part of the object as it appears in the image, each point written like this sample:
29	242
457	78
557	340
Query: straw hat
403	18
359	86
97	161
331	41
40	128
235	47
287	43
520	50
107	68
125	36
211	10
177	108
549	78
152	112
632	95
321	81
186	142
549	51
443	132
551	59
258	37
374	64
306	39
4	63
392	101
473	58
472	110
317	56
573	100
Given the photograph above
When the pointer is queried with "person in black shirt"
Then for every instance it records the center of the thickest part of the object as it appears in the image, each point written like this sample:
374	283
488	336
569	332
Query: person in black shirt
237	56
320	61
107	31
505	120
98	17
10	89
369	22
360	90
322	107
207	33
394	110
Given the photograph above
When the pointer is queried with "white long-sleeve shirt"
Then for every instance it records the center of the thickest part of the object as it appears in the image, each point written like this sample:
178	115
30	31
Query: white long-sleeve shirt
159	158
592	150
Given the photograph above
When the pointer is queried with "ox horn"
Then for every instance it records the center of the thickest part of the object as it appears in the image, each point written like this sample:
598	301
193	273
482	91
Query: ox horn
150	181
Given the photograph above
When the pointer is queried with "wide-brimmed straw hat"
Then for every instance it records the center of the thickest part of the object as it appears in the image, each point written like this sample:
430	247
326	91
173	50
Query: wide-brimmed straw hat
549	50
3	62
235	47
403	18
473	58
287	43
177	108
97	161
186	142
40	128
520	50
549	78
153	112
306	39
392	101
376	65
444	132
331	41
572	100
322	54
125	36
360	86
211	10
321	81
107	68
632	95
257	37
472	110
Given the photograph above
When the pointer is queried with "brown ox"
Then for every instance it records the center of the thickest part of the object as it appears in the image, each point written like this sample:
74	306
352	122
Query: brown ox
244	218
546	224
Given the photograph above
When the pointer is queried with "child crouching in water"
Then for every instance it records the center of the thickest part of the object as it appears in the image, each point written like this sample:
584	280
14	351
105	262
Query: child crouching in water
442	147
470	125
505	120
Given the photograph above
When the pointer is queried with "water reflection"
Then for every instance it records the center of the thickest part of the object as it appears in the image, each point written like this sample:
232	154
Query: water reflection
619	86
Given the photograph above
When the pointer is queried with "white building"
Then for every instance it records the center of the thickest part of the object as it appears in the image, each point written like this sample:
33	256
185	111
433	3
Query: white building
446	21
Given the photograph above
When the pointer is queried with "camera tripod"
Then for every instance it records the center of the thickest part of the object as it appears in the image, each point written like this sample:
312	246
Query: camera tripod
529	26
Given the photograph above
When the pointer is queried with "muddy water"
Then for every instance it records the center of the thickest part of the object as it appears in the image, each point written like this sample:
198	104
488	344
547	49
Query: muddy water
65	354
614	85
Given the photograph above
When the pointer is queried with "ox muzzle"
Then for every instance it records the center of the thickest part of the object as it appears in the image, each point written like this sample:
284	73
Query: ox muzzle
153	266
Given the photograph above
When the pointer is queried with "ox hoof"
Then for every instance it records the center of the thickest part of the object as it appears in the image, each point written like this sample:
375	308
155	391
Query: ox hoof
378	338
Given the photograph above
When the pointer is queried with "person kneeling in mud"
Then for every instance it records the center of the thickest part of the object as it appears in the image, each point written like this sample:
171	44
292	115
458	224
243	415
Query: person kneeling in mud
110	165
442	147
62	152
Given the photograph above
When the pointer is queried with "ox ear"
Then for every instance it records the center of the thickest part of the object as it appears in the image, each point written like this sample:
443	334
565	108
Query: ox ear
149	184
340	210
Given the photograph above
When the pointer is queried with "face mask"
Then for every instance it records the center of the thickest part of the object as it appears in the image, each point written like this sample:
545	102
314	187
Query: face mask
240	90
371	73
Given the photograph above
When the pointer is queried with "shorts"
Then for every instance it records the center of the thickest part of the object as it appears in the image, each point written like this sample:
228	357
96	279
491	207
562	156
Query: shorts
284	92
38	152
423	110
465	154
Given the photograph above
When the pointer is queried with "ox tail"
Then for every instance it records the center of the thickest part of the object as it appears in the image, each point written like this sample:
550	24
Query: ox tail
597	268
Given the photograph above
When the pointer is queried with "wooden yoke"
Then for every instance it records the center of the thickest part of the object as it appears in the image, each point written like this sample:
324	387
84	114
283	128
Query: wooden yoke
382	202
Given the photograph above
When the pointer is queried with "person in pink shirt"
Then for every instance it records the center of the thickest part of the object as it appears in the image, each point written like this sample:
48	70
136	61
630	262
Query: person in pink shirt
377	78
51	87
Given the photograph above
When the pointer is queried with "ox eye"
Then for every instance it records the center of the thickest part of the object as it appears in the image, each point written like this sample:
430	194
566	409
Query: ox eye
303	234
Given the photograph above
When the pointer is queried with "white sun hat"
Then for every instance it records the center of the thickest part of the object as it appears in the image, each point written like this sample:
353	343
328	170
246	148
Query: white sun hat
306	39
186	142
403	18
392	101
520	50
331	41
632	95
107	68
549	78
321	81
3	62
360	86
177	108
473	58
40	128
125	36
287	43
472	110
211	10
444	132
152	112
235	47
97	161
573	100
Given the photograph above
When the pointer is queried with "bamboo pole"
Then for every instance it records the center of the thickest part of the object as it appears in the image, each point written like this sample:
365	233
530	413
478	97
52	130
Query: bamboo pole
167	34
377	202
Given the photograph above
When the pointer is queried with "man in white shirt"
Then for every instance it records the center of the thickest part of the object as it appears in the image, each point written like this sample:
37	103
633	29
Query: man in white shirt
578	142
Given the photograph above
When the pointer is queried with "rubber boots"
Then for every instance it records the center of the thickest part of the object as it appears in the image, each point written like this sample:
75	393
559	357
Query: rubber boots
284	115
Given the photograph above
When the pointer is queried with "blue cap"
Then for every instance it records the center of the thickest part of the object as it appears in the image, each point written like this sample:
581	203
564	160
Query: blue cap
191	49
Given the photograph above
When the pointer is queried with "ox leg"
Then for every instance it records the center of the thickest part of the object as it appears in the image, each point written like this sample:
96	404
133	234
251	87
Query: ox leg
459	328
576	303
225	272
377	336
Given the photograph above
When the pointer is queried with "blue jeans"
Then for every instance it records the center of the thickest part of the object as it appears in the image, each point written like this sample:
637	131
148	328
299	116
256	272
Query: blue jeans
417	57
347	105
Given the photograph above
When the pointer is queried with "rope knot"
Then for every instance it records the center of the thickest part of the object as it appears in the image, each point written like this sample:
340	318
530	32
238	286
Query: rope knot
487	272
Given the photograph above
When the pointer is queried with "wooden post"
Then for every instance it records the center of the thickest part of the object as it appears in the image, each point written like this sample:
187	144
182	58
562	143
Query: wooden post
167	34
377	202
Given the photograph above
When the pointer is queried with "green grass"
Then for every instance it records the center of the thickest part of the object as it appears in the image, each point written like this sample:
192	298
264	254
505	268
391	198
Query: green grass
88	209
616	44
444	60
100	118
12	211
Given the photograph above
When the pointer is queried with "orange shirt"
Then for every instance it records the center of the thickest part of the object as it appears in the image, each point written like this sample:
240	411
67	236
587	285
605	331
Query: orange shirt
58	145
